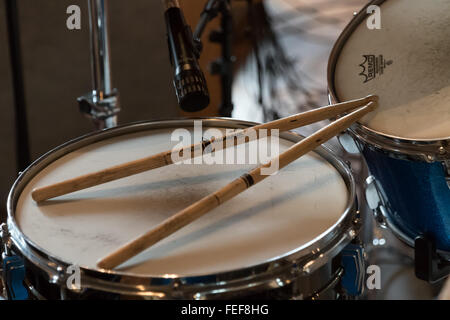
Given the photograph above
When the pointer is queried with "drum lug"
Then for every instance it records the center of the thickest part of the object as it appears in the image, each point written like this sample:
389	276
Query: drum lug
352	260
5	240
375	201
59	277
13	269
320	258
348	143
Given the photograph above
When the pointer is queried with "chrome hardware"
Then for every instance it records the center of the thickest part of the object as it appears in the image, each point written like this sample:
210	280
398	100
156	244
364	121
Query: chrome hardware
102	104
13	269
4	236
324	291
101	110
348	143
375	201
5	240
354	266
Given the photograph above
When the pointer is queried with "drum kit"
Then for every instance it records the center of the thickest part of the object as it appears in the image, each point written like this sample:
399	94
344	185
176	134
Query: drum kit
294	235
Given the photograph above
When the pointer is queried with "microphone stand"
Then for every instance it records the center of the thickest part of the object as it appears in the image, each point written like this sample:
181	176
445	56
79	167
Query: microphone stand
224	65
101	105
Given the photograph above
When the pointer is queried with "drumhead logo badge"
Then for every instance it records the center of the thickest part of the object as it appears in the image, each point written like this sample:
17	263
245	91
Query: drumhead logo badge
373	65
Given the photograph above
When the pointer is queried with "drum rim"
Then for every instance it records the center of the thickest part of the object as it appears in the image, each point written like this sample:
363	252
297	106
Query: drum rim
415	149
314	253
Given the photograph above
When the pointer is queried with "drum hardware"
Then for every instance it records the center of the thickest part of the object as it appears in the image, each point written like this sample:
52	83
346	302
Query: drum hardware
101	105
376	201
397	148
353	250
5	239
13	269
100	110
324	292
430	265
36	295
348	143
353	264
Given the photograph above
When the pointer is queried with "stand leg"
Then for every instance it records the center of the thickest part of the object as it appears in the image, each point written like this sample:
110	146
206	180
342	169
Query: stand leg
429	265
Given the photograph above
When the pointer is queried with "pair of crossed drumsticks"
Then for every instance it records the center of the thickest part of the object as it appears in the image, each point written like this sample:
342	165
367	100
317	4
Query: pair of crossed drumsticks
205	205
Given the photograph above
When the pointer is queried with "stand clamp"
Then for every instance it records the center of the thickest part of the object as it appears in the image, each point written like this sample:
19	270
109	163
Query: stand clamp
102	111
429	264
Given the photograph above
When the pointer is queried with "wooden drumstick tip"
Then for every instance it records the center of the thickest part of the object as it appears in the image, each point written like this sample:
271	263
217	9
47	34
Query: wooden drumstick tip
373	98
372	105
102	264
35	195
369	98
40	195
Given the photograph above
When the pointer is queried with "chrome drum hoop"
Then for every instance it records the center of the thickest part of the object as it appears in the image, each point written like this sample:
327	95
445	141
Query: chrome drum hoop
396	147
276	273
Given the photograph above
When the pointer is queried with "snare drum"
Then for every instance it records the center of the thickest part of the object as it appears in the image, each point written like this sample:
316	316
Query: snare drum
406	141
283	238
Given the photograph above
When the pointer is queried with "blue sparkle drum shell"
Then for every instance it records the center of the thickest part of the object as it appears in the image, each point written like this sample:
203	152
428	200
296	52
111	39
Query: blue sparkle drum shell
406	142
417	195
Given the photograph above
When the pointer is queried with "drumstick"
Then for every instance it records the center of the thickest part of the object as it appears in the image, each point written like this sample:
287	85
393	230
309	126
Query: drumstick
165	158
205	205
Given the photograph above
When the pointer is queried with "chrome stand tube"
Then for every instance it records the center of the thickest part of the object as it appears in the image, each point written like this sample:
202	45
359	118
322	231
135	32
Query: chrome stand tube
102	104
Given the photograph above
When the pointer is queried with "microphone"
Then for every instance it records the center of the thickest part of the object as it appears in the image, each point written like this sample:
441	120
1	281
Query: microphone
189	80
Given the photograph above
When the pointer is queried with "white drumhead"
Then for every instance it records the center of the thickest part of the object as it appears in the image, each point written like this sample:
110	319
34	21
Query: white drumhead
280	214
408	66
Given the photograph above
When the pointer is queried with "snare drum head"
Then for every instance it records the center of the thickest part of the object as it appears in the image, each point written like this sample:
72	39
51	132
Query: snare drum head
406	63
280	214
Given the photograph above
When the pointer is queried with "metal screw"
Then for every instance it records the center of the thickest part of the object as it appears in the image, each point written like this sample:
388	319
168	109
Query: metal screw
352	233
